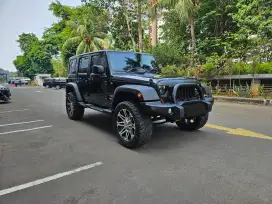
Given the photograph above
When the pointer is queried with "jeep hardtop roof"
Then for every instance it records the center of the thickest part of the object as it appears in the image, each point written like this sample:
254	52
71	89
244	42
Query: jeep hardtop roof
83	54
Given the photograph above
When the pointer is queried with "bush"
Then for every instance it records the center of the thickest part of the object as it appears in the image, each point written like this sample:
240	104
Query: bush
264	68
241	68
33	83
213	65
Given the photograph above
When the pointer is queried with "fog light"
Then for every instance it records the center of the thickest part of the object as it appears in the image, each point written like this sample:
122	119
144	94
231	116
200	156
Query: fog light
170	112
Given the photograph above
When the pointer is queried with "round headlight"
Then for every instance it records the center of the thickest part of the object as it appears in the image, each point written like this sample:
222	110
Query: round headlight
162	90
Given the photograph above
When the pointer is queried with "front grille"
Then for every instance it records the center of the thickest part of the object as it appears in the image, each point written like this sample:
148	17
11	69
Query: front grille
188	93
5	92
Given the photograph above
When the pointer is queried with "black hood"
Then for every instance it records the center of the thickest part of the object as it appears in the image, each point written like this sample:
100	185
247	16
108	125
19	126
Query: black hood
150	78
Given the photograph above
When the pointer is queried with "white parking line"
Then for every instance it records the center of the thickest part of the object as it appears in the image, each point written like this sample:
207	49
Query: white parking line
47	179
14	111
34	121
25	130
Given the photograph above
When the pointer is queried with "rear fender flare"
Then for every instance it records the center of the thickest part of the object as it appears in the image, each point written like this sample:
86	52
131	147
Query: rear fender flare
73	86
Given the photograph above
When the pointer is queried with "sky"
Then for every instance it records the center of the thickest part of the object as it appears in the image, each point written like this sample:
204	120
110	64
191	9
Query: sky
18	16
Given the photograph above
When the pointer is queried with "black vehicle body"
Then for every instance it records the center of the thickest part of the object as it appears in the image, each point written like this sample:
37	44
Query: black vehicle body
59	83
99	85
5	93
48	82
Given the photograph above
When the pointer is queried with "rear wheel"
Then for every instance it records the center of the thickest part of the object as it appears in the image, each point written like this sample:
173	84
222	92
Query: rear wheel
192	124
133	128
74	110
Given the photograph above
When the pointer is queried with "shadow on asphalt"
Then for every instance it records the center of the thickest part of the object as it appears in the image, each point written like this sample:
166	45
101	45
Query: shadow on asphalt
5	102
164	136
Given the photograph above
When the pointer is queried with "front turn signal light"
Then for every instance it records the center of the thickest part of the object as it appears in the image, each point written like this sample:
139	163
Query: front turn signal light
140	96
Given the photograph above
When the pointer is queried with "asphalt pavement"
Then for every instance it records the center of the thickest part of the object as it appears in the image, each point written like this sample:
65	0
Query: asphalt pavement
47	158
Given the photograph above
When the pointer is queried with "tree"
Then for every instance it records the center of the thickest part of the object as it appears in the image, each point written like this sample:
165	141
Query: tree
80	29
35	56
140	31
59	69
154	23
26	41
254	19
214	26
187	10
86	37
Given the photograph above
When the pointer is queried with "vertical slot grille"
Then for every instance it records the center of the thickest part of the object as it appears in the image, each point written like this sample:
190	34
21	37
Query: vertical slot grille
188	93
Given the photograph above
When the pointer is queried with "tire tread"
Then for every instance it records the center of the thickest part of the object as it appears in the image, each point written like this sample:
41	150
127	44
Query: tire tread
143	125
78	110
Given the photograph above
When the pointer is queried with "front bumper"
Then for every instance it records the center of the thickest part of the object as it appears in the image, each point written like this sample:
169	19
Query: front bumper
174	112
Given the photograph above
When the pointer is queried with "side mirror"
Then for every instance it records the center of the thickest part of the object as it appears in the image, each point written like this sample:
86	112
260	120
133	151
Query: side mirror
98	69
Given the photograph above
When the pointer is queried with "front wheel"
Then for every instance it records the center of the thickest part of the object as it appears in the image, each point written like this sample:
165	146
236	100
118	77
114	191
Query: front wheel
133	128
74	110
192	124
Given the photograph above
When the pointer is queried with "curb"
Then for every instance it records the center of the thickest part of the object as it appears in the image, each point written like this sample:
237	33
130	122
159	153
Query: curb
256	101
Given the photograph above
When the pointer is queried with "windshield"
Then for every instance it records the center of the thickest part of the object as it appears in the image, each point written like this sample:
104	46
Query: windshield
129	61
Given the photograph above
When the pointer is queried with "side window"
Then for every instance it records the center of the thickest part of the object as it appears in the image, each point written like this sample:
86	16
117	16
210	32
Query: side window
99	59
83	64
72	66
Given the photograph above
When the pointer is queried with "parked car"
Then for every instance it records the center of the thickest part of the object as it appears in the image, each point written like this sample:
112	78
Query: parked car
48	82
59	82
126	85
18	82
4	93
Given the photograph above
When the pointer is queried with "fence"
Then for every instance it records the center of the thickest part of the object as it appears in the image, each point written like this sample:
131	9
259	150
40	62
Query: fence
244	91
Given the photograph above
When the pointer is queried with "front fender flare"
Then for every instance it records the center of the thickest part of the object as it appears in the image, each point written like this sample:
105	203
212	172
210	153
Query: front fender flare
75	88
149	93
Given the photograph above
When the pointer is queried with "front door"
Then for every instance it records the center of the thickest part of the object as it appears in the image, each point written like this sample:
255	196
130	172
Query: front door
98	87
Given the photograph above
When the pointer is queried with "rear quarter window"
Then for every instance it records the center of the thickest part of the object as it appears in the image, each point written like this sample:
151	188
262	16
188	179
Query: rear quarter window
73	66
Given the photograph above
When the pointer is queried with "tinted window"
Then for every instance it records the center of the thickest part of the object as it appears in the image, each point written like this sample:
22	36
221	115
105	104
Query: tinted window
72	66
99	59
124	61
83	64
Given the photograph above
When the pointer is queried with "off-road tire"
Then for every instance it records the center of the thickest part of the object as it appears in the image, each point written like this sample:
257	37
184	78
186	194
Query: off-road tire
143	125
77	110
6	99
200	121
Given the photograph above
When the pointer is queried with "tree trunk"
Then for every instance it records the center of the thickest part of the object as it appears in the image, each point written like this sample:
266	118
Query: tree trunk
140	31
154	23
193	38
128	25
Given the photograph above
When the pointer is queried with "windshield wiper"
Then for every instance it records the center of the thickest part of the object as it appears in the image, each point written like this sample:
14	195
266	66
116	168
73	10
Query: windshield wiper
153	70
136	69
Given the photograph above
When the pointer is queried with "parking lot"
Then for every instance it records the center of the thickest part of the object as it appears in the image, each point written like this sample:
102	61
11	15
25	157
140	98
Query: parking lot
47	158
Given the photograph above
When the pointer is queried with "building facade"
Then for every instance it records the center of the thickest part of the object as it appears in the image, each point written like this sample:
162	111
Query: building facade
4	76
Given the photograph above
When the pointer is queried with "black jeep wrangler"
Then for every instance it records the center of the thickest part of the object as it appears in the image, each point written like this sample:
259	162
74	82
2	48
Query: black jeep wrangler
128	86
4	93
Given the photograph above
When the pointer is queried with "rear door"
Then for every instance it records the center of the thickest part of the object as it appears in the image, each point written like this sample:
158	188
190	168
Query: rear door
83	74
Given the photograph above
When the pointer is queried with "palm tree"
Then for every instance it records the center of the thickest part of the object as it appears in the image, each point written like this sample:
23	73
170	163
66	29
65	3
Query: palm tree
86	38
187	9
